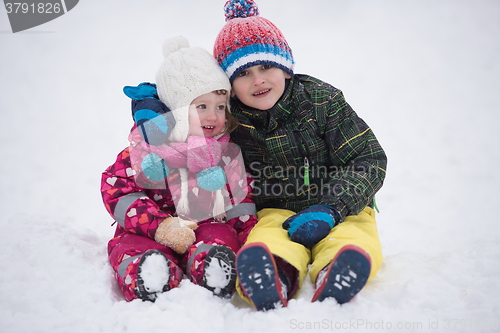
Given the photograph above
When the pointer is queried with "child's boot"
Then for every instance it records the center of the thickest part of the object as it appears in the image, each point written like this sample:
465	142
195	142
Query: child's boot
219	272
212	267
259	277
344	277
156	274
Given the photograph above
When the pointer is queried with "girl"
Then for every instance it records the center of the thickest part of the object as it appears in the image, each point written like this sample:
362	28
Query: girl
179	193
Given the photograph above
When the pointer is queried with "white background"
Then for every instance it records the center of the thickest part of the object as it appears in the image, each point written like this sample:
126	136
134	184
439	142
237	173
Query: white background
425	75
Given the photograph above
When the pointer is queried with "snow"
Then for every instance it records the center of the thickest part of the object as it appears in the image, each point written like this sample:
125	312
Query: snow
424	74
218	274
155	272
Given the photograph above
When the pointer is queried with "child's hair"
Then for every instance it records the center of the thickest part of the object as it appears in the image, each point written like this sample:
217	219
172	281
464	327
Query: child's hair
231	121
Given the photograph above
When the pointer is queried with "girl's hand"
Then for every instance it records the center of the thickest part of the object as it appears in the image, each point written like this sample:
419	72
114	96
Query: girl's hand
176	233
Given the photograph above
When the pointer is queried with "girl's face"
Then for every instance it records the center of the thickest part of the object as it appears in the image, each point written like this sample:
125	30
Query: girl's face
260	86
207	115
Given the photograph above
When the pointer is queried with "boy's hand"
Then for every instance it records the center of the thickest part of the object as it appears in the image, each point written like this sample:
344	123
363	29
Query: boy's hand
312	224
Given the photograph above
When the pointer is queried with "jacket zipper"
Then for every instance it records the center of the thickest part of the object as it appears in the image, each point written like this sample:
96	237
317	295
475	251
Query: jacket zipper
306	171
304	151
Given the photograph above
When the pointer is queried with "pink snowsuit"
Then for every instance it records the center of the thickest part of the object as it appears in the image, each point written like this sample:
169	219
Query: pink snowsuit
139	205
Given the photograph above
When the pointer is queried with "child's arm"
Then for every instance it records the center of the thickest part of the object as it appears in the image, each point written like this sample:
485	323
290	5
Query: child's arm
359	172
131	208
352	145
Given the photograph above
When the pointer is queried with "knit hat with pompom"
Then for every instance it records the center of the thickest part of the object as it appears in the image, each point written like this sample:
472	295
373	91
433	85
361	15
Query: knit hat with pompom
185	74
248	39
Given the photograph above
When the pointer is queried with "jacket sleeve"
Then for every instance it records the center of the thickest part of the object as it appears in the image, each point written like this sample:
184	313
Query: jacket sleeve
354	147
127	203
242	216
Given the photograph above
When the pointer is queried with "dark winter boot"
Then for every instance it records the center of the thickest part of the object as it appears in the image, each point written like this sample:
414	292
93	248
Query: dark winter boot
344	277
259	277
219	272
156	274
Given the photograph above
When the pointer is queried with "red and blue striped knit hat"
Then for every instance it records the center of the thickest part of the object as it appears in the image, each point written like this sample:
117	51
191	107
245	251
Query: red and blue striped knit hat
248	40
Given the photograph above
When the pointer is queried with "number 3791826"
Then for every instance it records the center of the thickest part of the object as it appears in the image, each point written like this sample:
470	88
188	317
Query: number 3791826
40	8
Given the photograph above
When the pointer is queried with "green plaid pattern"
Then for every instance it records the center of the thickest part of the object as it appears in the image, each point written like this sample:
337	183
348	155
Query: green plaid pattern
311	124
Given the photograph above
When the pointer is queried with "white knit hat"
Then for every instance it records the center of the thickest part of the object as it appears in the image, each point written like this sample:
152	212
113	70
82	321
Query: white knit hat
185	74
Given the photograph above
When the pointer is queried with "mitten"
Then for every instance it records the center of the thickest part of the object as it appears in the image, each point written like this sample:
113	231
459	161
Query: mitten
152	117
176	233
312	224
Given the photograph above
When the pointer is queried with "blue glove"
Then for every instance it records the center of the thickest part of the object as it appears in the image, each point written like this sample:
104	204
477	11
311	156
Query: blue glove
153	118
312	224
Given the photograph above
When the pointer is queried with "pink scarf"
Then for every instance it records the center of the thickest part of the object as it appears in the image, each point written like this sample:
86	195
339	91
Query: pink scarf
196	154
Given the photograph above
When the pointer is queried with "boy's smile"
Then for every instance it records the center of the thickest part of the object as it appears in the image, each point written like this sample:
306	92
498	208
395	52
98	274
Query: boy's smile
262	93
260	86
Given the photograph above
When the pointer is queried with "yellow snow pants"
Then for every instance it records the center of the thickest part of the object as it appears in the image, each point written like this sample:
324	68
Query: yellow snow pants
360	230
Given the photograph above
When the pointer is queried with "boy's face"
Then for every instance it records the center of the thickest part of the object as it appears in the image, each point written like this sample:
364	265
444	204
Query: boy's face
207	115
260	86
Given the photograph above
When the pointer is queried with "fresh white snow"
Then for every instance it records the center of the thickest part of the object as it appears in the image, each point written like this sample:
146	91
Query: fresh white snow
155	272
424	74
218	274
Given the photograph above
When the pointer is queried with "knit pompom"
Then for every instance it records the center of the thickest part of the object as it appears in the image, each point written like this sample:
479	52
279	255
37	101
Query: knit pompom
211	179
240	8
154	167
174	44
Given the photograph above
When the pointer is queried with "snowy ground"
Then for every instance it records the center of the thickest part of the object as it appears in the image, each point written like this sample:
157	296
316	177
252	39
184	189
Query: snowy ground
424	74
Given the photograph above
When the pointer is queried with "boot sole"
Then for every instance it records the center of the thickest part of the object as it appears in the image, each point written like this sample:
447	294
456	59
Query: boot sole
346	275
259	278
141	291
228	258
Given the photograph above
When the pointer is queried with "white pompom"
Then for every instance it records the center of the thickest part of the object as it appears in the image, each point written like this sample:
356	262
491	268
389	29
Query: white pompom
174	44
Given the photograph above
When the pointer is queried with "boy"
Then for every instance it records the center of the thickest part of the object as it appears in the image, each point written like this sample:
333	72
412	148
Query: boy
316	165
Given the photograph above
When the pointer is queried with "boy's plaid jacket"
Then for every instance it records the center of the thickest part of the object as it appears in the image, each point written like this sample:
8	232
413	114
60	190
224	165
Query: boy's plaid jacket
310	148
